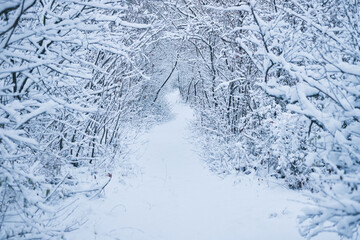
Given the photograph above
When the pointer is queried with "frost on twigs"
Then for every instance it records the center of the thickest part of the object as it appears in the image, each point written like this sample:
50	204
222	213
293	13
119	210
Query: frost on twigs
333	210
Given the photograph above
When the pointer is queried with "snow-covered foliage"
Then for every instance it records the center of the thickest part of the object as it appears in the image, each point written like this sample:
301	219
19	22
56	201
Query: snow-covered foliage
310	53
306	55
72	80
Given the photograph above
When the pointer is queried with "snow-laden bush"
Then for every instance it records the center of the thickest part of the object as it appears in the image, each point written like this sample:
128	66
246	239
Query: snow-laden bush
311	58
305	55
71	82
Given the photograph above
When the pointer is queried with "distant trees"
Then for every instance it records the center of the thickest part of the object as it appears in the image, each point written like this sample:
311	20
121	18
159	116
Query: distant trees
217	78
72	75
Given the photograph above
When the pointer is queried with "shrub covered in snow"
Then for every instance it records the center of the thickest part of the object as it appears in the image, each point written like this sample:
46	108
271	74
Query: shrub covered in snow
72	79
305	55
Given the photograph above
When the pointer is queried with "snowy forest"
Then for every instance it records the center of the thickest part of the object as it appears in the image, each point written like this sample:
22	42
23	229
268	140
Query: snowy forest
273	85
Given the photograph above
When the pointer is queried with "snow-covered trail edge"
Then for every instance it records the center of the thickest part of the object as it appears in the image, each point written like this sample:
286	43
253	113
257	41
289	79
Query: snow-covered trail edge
177	198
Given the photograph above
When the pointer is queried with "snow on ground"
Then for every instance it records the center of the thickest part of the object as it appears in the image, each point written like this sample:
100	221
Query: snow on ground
177	198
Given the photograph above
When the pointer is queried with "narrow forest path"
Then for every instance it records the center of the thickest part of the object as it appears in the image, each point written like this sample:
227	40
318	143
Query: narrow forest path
177	198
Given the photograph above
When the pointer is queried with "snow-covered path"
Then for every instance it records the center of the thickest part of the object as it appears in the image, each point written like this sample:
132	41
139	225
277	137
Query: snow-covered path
177	198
